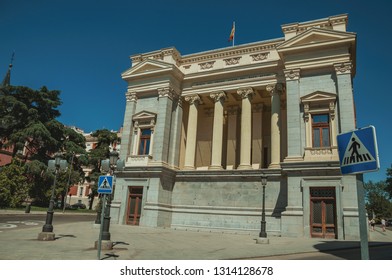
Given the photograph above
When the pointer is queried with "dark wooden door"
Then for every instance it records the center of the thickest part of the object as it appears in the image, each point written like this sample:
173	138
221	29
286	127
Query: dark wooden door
134	209
323	213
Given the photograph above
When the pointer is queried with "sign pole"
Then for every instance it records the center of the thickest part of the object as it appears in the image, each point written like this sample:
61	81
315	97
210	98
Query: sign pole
101	227
363	224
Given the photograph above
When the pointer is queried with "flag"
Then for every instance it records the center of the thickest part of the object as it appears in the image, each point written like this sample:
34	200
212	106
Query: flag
231	38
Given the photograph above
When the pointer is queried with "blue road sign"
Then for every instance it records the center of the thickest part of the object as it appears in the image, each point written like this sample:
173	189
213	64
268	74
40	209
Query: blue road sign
358	151
105	184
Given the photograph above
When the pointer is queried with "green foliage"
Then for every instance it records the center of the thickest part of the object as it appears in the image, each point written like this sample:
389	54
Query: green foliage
377	199
389	182
14	185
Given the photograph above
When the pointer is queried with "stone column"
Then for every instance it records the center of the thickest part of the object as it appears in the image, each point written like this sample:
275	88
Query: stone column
257	139
345	94
246	127
232	139
190	148
163	125
275	91
294	134
217	133
126	140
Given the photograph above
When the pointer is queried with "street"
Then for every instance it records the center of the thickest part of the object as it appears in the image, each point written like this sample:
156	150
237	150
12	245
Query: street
21	221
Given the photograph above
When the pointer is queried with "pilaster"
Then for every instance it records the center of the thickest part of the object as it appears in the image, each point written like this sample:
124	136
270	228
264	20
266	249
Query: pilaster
275	91
294	134
126	141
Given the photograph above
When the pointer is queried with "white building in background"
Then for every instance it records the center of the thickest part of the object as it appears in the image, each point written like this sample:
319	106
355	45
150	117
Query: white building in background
200	130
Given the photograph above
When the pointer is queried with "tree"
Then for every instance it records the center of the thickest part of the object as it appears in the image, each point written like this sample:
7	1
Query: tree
14	185
389	182
105	140
377	199
28	120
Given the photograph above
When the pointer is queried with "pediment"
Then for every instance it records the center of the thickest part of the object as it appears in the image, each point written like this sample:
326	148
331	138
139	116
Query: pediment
143	115
148	66
318	97
316	36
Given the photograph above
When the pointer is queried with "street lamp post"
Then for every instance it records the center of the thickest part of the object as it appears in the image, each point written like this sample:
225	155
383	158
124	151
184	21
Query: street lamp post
113	157
263	232
55	165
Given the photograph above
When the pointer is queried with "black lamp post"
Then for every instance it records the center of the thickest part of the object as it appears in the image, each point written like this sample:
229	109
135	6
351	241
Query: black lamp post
113	158
47	230
263	233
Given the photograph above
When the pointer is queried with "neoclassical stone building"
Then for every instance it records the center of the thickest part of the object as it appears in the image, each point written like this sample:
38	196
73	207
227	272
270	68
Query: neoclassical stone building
201	129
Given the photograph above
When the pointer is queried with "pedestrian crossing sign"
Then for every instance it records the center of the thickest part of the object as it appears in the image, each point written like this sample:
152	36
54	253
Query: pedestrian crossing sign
105	184
358	151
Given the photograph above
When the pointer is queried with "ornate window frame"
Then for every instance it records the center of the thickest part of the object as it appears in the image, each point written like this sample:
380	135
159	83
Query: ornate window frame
317	103
142	120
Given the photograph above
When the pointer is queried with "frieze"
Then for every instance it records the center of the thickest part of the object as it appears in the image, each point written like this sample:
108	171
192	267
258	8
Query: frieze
206	65
232	61
259	56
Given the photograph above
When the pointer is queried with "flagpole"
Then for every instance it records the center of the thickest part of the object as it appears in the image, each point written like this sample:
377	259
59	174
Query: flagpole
234	32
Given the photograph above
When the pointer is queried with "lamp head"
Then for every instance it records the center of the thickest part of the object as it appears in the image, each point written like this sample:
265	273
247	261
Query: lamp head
264	179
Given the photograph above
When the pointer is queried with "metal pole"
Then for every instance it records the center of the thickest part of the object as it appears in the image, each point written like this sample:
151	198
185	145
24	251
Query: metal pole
363	225
263	232
101	228
48	227
106	220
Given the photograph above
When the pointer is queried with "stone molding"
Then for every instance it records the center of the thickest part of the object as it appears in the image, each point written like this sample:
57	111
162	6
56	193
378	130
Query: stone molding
167	92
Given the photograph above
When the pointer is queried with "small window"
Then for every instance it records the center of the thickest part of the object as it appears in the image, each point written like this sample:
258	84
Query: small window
145	139
320	127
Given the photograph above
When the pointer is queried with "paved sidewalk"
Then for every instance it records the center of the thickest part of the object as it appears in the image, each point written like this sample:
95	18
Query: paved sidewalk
76	242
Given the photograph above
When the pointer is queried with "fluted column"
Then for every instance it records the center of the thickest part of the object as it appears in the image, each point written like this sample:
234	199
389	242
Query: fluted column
275	91
217	133
246	128
190	148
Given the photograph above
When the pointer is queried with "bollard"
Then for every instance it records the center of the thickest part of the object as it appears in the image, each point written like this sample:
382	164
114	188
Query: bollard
28	208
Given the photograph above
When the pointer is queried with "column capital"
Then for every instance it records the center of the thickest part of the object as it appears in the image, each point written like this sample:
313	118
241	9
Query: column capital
292	74
275	89
193	99
131	96
217	96
245	92
343	68
167	92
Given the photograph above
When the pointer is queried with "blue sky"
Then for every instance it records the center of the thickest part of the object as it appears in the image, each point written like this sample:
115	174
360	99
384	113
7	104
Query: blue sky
82	47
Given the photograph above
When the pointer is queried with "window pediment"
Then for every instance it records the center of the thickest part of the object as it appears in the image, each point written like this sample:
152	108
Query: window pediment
319	97
144	118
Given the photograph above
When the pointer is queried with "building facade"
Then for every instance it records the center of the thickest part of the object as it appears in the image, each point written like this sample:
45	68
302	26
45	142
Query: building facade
201	129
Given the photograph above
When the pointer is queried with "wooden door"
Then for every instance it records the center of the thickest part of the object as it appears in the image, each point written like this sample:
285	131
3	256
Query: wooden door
134	209
323	213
